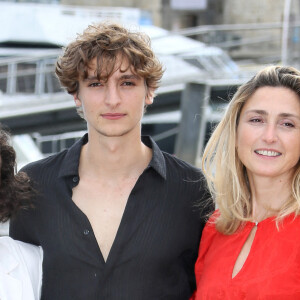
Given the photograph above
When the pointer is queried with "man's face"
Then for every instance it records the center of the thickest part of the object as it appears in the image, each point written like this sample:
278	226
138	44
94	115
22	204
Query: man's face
114	107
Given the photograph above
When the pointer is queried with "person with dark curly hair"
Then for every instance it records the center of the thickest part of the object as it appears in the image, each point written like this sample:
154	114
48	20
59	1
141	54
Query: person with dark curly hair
117	218
20	263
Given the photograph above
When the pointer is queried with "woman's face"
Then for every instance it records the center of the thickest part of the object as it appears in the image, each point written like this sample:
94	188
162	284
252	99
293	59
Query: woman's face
268	133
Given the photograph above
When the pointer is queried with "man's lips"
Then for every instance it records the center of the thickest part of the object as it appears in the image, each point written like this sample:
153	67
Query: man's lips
113	116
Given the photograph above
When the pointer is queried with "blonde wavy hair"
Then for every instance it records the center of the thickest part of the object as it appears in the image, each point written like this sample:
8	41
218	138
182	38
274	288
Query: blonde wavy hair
107	42
225	173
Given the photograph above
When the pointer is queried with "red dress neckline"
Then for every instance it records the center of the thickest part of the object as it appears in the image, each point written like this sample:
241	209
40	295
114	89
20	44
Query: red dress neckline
271	270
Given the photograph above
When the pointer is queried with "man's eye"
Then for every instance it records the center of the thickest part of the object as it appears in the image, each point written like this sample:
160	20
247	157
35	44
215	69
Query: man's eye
288	124
127	83
94	84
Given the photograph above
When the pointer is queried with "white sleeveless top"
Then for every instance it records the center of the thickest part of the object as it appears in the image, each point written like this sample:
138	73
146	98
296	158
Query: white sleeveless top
20	270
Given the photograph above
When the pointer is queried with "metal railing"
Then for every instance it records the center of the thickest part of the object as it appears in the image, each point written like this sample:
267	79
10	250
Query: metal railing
281	38
29	75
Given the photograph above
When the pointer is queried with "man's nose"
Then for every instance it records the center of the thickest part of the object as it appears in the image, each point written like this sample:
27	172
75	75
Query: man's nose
112	95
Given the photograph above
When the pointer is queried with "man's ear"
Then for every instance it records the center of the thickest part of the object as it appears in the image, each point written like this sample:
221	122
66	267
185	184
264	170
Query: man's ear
77	100
149	97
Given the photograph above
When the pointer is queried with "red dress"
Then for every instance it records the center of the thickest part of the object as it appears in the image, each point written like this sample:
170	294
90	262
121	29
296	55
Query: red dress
270	272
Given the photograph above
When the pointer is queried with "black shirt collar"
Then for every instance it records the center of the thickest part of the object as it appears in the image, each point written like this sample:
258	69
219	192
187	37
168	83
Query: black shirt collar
71	162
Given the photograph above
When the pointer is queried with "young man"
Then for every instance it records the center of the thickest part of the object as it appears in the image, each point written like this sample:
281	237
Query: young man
116	217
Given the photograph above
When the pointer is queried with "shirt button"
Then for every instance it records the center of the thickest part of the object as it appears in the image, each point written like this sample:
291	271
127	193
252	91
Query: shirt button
75	179
86	232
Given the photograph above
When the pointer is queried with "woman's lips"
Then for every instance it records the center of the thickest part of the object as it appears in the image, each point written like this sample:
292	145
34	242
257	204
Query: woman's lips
268	153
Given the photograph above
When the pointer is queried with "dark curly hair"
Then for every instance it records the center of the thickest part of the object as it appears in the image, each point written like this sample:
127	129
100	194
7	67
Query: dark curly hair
16	190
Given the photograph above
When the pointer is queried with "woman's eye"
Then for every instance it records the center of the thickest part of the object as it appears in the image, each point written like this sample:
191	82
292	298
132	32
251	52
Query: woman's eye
255	120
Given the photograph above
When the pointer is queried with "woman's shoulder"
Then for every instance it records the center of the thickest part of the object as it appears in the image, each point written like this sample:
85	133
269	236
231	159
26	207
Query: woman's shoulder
209	232
211	223
23	261
21	249
26	255
208	235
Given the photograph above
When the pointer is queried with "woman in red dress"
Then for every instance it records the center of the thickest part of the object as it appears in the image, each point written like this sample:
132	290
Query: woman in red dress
250	247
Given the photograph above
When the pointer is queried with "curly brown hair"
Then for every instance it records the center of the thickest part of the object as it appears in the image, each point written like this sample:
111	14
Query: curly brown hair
107	42
16	190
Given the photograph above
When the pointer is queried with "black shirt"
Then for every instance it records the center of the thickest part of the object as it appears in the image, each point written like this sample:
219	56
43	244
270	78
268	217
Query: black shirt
156	246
